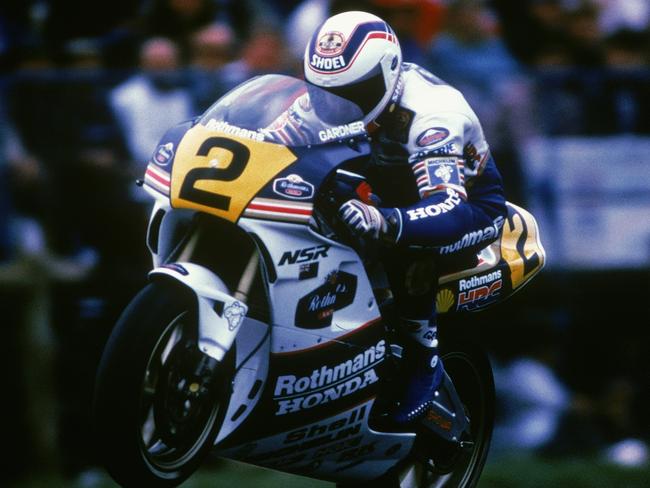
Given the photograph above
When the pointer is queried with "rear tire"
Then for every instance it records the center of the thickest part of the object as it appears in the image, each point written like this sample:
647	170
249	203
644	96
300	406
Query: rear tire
159	401
469	369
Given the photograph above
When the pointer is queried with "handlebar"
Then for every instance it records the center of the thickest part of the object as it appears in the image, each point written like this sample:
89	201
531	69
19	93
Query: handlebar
342	186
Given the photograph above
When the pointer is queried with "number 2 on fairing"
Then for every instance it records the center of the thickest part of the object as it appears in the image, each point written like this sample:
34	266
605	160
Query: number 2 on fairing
220	174
240	157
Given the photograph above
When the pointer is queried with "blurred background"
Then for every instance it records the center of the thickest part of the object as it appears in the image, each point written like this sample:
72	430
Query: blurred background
562	88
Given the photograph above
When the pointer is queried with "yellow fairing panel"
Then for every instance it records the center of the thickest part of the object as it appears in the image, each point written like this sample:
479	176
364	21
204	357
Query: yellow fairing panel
521	247
219	173
502	269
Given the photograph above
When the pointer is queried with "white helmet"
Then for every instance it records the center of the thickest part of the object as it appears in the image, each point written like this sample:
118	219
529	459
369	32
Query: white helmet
355	55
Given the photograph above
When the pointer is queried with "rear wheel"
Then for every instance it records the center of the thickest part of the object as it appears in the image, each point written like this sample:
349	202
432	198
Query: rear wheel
446	464
159	401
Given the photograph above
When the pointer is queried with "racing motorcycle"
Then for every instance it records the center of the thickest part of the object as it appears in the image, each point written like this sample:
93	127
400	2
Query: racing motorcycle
264	333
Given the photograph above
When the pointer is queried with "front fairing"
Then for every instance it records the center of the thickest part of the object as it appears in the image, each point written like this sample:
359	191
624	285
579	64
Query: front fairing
262	149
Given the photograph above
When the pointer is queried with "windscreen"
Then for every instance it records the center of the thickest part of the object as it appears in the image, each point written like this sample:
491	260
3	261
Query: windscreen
285	110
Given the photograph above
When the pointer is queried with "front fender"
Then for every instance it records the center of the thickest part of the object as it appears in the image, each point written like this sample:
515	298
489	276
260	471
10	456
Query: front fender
219	314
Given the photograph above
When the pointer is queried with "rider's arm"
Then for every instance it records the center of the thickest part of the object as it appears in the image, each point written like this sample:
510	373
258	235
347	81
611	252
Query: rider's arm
460	187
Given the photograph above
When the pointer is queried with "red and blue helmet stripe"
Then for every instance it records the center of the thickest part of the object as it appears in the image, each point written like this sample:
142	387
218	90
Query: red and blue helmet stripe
339	58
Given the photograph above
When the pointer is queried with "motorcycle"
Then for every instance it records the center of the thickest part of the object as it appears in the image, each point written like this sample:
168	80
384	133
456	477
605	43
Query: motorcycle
264	333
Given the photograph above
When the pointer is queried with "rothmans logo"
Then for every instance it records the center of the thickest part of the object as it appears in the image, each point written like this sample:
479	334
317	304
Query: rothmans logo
327	384
475	281
475	237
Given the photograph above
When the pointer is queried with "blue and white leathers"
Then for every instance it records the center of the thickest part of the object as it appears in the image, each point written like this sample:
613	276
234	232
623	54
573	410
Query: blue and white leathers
434	166
441	190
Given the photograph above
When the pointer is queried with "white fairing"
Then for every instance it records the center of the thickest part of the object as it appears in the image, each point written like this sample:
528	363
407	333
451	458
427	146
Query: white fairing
217	330
321	447
289	242
161	202
341	444
252	366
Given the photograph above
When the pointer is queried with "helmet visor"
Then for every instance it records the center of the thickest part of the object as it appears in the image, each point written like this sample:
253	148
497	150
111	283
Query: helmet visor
367	93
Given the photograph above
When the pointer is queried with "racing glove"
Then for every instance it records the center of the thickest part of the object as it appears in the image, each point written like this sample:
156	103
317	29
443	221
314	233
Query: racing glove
371	222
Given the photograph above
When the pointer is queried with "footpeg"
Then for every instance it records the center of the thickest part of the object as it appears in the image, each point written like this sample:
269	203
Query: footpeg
467	445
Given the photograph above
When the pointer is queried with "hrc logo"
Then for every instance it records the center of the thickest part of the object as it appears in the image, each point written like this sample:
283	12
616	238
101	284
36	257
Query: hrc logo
479	297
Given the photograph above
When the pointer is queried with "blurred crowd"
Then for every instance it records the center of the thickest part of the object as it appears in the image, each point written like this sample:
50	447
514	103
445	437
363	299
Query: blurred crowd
88	88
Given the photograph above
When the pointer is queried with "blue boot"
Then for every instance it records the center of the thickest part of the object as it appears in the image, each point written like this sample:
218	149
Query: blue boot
422	372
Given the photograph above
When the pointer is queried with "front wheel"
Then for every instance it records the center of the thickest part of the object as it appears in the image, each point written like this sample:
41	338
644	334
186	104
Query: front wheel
158	401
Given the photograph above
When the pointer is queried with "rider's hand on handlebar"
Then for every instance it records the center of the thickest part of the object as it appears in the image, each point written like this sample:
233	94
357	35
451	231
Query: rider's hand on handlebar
369	222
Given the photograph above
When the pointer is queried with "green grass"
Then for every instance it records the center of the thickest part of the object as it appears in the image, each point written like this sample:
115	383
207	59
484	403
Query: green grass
531	472
505	472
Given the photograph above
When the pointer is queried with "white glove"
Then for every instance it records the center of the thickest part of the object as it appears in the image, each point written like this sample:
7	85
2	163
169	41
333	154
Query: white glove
363	220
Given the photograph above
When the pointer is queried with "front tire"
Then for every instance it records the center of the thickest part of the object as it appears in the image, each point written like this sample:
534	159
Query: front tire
159	401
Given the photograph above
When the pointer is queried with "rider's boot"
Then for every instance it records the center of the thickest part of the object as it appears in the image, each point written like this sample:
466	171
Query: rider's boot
420	370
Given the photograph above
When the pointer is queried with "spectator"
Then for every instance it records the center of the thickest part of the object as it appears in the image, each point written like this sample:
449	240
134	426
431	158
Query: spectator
470	55
110	24
585	39
212	48
301	24
68	195
264	52
12	160
151	101
21	221
67	150
179	20
622	15
471	34
527	26
415	22
284	8
97	155
34	149
307	16
16	33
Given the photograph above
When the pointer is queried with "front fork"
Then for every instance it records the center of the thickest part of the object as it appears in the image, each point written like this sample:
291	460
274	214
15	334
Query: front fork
219	314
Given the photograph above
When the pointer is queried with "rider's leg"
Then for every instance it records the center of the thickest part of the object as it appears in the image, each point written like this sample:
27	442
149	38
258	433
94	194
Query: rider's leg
414	282
421	368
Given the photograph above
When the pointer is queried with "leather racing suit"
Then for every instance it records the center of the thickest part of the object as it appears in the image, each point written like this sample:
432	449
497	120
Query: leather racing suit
443	197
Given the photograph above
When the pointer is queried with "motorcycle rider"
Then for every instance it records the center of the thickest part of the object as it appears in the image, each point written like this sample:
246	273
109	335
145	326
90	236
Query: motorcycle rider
442	195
